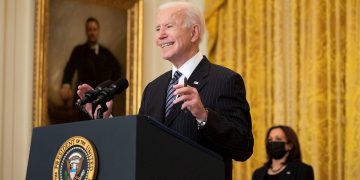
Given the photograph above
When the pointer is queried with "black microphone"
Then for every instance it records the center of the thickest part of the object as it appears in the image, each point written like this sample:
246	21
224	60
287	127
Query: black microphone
108	93
93	94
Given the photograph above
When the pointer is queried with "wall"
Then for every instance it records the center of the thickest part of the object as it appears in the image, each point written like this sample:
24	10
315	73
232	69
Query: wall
16	59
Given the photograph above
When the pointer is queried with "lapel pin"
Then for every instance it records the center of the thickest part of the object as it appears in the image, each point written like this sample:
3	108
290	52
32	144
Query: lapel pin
288	172
195	82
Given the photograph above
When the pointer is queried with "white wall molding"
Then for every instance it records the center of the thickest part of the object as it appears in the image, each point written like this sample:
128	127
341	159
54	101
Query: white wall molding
16	35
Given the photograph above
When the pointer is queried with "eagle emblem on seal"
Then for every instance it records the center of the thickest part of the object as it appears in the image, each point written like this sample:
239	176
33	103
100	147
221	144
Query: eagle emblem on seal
74	167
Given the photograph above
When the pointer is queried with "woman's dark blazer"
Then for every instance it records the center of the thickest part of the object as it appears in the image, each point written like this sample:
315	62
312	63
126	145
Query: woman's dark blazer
293	171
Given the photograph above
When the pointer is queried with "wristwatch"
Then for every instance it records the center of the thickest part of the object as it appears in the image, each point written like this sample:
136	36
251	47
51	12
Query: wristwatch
201	123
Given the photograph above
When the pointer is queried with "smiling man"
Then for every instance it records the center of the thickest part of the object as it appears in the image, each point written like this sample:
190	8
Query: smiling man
212	109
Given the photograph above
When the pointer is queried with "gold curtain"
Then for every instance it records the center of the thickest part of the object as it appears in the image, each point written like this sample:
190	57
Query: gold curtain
301	64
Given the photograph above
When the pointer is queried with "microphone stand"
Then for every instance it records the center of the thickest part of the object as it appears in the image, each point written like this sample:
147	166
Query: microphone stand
100	113
83	110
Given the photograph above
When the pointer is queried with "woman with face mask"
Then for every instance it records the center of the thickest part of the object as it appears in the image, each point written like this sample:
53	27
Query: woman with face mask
284	157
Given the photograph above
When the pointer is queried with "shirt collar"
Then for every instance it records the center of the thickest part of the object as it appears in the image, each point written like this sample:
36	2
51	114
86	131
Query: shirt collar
96	48
189	66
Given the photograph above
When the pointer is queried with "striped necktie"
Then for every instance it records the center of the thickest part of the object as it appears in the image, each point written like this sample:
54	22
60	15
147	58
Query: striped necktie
170	97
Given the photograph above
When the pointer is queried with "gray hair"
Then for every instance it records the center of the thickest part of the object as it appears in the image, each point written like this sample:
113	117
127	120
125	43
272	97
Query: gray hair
192	14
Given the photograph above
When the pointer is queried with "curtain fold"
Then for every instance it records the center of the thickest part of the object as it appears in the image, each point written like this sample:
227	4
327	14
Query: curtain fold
301	64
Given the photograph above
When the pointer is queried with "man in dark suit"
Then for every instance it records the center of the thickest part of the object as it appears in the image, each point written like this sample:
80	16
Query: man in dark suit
212	109
93	63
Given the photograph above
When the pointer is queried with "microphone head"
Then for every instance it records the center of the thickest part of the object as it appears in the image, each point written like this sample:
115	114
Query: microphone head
98	88
104	84
108	93
92	94
120	85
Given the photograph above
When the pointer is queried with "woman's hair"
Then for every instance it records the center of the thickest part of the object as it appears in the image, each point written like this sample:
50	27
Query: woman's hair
291	137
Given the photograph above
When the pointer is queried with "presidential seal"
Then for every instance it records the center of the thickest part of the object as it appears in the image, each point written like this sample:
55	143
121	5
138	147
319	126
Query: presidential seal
76	159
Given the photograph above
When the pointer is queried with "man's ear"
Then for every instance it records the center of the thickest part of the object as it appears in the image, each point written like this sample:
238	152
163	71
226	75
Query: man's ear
195	33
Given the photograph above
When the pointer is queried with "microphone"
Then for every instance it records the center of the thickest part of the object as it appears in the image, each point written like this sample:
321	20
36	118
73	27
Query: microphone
108	93
93	94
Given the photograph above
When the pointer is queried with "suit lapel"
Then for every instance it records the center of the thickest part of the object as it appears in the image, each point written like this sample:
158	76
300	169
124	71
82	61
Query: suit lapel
159	97
198	79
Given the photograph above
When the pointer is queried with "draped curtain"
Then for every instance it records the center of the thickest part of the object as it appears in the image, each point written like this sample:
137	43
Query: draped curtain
301	64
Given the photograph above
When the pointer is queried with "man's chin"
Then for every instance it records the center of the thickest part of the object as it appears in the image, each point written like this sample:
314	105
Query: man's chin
167	55
167	58
92	42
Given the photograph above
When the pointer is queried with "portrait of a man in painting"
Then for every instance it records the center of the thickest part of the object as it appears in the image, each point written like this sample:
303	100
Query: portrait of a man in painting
83	41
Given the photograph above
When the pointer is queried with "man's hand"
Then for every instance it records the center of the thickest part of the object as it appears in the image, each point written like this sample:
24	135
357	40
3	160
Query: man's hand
82	89
191	101
65	92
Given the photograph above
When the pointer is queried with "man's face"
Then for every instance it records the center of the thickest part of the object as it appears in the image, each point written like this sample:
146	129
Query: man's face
172	36
92	32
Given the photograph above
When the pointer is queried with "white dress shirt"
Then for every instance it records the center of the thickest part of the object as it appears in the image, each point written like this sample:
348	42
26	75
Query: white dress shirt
187	69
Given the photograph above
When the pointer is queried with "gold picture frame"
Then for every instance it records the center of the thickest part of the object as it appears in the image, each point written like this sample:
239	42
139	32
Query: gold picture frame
134	31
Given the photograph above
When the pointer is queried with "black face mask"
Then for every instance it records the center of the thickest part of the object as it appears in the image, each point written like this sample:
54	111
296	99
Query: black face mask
276	150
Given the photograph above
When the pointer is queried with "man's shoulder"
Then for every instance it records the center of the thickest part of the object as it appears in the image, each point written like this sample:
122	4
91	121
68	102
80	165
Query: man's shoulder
216	69
86	46
221	72
163	77
101	47
80	47
221	69
160	79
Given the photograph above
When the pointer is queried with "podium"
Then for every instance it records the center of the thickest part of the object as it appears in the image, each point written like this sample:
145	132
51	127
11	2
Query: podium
127	148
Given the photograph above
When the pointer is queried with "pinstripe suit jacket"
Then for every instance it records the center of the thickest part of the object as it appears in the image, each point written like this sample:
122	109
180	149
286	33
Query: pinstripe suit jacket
222	91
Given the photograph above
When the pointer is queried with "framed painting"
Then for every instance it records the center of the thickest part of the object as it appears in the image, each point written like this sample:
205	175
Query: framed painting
62	28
